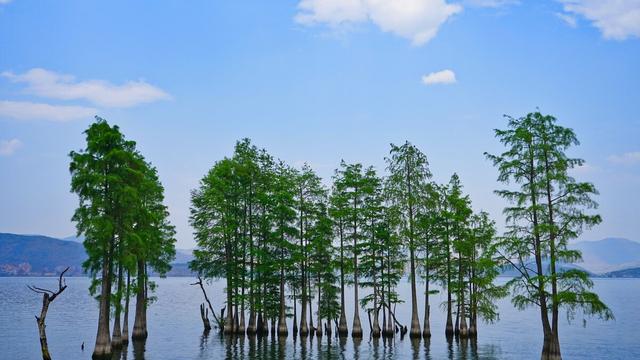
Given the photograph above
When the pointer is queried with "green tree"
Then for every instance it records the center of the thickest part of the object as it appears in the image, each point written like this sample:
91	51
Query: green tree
351	184
407	184
549	207
99	177
124	223
338	211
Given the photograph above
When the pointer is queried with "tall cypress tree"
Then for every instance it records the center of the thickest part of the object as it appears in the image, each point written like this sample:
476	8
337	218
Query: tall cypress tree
549	207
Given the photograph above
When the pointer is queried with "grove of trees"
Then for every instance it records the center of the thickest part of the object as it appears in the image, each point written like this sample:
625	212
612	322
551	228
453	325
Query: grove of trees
125	227
281	238
287	244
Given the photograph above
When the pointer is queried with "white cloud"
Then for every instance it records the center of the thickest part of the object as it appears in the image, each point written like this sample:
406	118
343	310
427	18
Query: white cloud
2	2
568	19
439	77
626	158
50	84
24	110
8	147
417	20
616	19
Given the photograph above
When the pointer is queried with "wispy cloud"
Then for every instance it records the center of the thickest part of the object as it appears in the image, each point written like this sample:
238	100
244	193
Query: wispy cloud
24	110
8	147
629	158
49	84
439	77
2	2
619	19
417	20
568	19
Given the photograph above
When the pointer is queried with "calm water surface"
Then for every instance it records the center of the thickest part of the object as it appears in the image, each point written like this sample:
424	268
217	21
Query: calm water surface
175	329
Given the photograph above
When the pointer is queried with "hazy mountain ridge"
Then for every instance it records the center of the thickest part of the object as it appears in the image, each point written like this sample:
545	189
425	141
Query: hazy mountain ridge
37	255
608	255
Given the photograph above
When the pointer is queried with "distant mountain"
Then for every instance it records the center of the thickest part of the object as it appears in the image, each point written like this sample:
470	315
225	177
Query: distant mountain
183	256
510	271
36	255
626	273
608	255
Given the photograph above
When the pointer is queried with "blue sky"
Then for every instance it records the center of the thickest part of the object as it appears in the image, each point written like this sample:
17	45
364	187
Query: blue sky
316	81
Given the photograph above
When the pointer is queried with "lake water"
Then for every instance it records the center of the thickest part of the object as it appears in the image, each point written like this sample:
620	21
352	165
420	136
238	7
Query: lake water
175	329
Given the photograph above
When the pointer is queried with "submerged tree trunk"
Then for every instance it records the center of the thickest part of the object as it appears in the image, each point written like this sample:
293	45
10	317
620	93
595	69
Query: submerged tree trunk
125	323
47	298
116	340
426	330
551	347
342	325
139	325
102	349
320	329
282	321
311	327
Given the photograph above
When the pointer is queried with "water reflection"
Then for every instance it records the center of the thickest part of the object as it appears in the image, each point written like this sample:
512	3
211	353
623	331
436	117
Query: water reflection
139	348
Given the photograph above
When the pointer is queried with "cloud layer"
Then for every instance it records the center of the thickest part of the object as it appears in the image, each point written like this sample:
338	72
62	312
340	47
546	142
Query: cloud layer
439	77
626	158
24	110
616	19
8	147
49	84
417	20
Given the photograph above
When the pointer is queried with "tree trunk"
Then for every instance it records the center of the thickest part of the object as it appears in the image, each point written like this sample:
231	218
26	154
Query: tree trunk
415	322
310	301
342	325
47	298
320	330
551	347
44	347
356	331
426	330
282	321
125	323
116	339
139	326
102	349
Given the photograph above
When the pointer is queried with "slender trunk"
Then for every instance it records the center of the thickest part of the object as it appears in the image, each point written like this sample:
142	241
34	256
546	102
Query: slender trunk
44	347
304	329
251	328
356	331
295	312
464	331
342	326
282	321
139	327
102	349
426	330
550	347
415	322
228	323
125	323
116	340
320	330
311	327
449	326
552	252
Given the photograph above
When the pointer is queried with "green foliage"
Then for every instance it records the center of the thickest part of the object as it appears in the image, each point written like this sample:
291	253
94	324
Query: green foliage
548	207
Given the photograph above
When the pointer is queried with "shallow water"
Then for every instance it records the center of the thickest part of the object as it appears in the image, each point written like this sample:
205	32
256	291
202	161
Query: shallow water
175	329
